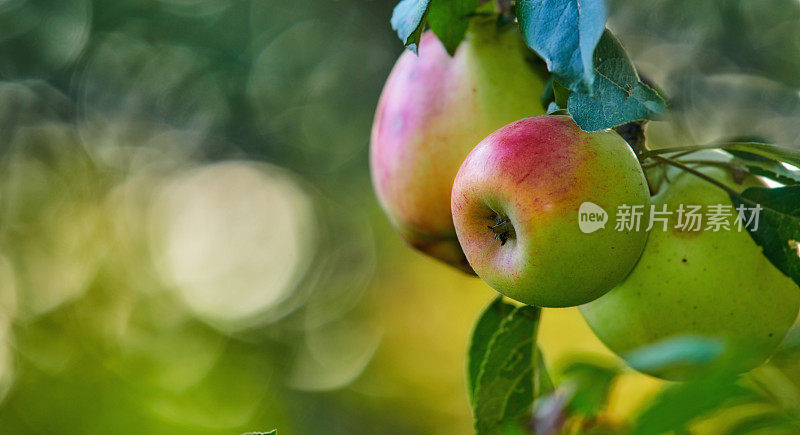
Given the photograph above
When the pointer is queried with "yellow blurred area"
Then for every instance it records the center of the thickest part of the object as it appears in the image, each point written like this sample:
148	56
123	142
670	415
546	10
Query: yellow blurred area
428	310
162	265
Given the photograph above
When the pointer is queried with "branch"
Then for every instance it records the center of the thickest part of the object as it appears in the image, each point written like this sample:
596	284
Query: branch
689	148
697	173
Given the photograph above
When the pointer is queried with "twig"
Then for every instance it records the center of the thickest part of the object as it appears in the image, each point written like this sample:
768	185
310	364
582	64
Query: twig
697	173
691	148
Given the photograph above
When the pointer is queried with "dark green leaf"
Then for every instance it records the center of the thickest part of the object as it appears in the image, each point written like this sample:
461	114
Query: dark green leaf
564	33
519	399
485	328
408	20
449	20
618	95
744	155
778	230
504	386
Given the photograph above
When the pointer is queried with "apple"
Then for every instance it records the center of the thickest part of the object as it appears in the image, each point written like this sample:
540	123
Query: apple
711	284
433	110
516	202
787	356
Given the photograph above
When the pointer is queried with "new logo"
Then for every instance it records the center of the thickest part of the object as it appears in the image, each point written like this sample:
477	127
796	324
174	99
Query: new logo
591	217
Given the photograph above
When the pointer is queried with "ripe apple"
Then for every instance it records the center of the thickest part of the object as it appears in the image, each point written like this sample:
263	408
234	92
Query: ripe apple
704	283
433	109
515	206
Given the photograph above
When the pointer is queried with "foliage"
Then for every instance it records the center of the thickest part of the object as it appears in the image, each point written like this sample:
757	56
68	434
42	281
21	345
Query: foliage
594	80
502	392
778	230
507	370
570	36
618	96
583	393
449	20
105	103
408	20
564	34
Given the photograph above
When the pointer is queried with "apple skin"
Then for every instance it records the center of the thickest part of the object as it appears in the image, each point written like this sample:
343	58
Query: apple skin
433	110
709	284
535	173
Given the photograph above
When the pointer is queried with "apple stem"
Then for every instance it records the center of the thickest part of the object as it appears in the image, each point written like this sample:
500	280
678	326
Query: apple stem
502	228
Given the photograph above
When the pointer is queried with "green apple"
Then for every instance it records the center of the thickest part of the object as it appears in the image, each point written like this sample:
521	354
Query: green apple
516	203
787	357
711	284
433	110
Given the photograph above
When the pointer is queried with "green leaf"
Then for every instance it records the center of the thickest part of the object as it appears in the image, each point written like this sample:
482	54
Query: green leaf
675	353
590	384
564	33
504	387
408	20
770	169
765	167
677	405
544	385
486	326
618	95
778	230
770	151
449	20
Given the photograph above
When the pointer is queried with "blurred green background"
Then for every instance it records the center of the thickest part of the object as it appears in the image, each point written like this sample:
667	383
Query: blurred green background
189	242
